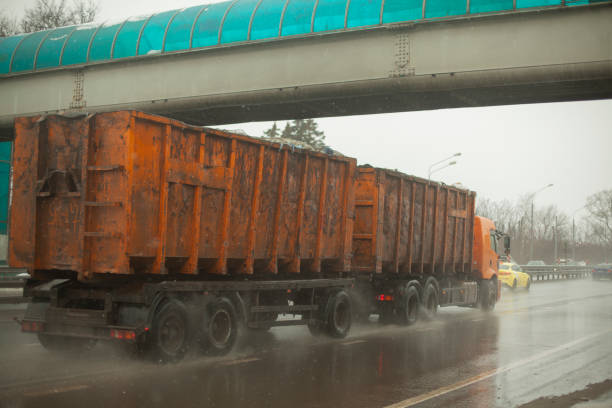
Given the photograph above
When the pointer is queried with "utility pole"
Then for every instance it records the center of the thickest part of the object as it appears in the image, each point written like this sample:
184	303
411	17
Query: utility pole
532	199
555	233
574	232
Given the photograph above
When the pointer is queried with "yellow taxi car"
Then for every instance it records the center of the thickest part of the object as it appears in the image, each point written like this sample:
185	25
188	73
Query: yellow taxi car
511	275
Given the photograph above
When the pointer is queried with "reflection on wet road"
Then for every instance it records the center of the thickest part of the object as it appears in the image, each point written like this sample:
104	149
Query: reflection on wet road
551	341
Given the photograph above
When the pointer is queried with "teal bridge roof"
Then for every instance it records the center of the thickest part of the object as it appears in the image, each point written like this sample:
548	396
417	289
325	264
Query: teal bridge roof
228	22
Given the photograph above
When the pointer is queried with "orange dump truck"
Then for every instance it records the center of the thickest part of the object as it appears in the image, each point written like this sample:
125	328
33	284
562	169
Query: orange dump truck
146	230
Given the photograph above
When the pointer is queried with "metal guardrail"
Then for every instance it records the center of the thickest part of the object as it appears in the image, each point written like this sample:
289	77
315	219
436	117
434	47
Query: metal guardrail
556	272
10	274
9	279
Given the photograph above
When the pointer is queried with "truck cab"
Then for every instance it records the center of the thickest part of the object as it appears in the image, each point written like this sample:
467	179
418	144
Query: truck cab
487	251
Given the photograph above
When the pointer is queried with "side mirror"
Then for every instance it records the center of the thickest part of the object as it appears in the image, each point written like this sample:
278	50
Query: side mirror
507	244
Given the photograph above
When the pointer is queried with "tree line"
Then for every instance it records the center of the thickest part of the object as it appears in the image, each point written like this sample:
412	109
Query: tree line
47	14
553	234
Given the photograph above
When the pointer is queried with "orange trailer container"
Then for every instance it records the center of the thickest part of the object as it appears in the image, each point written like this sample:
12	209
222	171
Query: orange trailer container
405	225
129	193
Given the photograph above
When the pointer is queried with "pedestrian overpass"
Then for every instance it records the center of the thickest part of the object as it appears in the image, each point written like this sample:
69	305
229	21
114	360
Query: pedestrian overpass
249	60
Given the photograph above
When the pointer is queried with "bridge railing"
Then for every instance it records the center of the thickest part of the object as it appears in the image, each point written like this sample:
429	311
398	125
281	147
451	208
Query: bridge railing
556	272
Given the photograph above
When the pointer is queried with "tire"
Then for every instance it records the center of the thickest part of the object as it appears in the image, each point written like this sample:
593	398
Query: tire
338	315
64	344
169	339
514	284
316	328
528	284
220	327
488	295
408	309
429	301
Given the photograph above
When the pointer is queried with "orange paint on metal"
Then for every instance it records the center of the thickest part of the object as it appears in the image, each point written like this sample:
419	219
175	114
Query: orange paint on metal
191	266
435	224
408	267
445	234
273	265
348	215
394	235
398	226
222	243
248	267
316	264
131	193
423	227
295	265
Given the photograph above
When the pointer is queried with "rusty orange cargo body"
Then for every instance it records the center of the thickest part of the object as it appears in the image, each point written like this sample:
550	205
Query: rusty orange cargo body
129	193
144	229
405	225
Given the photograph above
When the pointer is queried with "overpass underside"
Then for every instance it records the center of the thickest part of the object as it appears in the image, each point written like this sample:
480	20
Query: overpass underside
515	58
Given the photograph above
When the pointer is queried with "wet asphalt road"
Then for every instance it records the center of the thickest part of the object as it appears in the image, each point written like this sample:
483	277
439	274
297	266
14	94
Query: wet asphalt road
553	340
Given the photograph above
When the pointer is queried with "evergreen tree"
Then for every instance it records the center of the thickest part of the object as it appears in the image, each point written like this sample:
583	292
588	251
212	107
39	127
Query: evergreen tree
302	130
272	132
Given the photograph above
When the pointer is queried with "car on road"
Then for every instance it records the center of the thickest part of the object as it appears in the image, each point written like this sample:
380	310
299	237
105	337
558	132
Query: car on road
512	276
602	271
536	263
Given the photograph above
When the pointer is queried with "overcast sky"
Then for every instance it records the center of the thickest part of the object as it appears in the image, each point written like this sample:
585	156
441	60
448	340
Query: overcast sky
506	151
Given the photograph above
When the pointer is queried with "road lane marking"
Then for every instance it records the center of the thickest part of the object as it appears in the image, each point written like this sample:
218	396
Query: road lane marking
242	361
478	320
491	373
68	388
348	343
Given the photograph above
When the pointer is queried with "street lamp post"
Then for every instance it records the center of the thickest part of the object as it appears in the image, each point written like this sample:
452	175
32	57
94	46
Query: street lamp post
441	168
430	172
532	197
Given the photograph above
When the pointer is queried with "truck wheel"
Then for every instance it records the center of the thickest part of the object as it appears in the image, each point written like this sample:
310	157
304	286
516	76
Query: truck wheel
338	313
65	344
488	295
170	332
221	328
429	306
316	328
408	310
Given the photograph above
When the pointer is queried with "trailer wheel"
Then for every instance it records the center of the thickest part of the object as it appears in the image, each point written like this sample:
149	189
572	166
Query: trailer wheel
338	313
488	294
65	344
316	328
221	327
170	332
429	306
408	310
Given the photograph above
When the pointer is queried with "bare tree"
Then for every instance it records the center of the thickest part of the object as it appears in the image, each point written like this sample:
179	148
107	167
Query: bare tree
46	14
84	11
599	206
8	26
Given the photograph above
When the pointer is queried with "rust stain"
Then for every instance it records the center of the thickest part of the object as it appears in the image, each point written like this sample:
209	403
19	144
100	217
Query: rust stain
131	193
